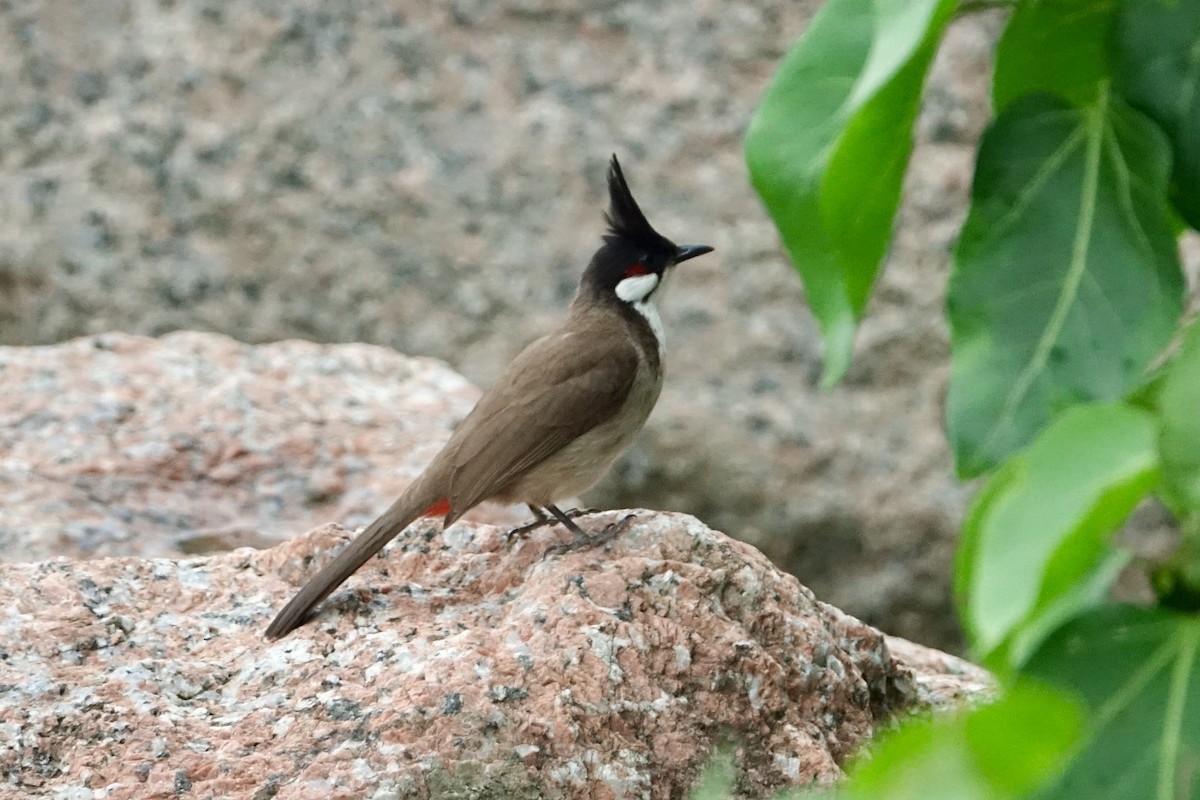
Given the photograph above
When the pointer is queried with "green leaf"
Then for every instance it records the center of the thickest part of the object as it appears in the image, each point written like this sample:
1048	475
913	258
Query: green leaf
1157	67
1055	46
1035	542
1066	280
1000	751
828	147
1137	671
1179	442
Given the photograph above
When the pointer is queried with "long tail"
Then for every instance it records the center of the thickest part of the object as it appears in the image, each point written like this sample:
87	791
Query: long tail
412	504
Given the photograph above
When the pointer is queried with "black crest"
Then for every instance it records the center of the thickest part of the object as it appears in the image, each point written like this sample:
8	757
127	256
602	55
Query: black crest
625	220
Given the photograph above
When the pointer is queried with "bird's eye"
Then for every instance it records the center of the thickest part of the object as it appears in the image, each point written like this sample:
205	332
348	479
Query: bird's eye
634	270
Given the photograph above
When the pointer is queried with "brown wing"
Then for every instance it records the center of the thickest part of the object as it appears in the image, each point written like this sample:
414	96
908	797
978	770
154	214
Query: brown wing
558	388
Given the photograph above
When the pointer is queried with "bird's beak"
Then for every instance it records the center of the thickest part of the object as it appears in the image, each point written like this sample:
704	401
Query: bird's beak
686	251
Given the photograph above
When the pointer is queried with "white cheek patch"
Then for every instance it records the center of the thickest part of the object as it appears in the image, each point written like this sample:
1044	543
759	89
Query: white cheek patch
637	288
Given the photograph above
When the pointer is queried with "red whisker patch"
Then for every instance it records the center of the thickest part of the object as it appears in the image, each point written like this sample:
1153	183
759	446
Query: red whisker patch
635	270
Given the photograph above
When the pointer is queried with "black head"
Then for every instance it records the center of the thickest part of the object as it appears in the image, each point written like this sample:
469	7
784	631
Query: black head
634	258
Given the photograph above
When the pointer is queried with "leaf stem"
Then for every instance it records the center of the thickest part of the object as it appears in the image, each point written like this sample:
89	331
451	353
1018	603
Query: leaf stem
1168	752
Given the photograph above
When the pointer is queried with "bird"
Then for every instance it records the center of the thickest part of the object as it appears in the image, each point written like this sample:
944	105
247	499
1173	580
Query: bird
559	413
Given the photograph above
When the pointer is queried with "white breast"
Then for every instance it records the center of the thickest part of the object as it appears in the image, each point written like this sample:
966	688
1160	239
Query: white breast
649	310
576	467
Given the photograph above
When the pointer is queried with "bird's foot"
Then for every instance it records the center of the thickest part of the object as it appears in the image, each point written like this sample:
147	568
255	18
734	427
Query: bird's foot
543	519
518	532
583	539
580	512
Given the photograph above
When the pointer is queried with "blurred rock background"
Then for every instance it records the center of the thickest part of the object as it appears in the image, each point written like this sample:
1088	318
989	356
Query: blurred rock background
429	176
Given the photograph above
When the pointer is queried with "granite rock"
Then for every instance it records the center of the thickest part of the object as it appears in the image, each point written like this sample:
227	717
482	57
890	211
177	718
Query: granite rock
118	445
461	663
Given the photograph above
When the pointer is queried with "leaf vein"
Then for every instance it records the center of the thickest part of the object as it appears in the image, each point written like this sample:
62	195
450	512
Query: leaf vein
1093	129
1050	166
1125	190
1127	693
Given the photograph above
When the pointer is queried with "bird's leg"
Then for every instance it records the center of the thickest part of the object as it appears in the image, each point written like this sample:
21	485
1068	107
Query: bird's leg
567	522
540	520
576	513
582	538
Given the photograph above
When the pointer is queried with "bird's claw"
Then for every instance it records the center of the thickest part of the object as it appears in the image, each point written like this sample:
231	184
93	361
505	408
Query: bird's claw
609	533
542	520
521	530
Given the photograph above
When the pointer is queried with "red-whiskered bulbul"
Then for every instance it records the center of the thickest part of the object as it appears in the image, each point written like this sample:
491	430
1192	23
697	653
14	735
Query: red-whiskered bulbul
559	414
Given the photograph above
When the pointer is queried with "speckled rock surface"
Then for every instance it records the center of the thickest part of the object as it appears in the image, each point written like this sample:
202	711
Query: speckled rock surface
429	176
456	661
125	445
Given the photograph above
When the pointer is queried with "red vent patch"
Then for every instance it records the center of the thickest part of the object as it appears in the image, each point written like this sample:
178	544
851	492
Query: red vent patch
439	509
